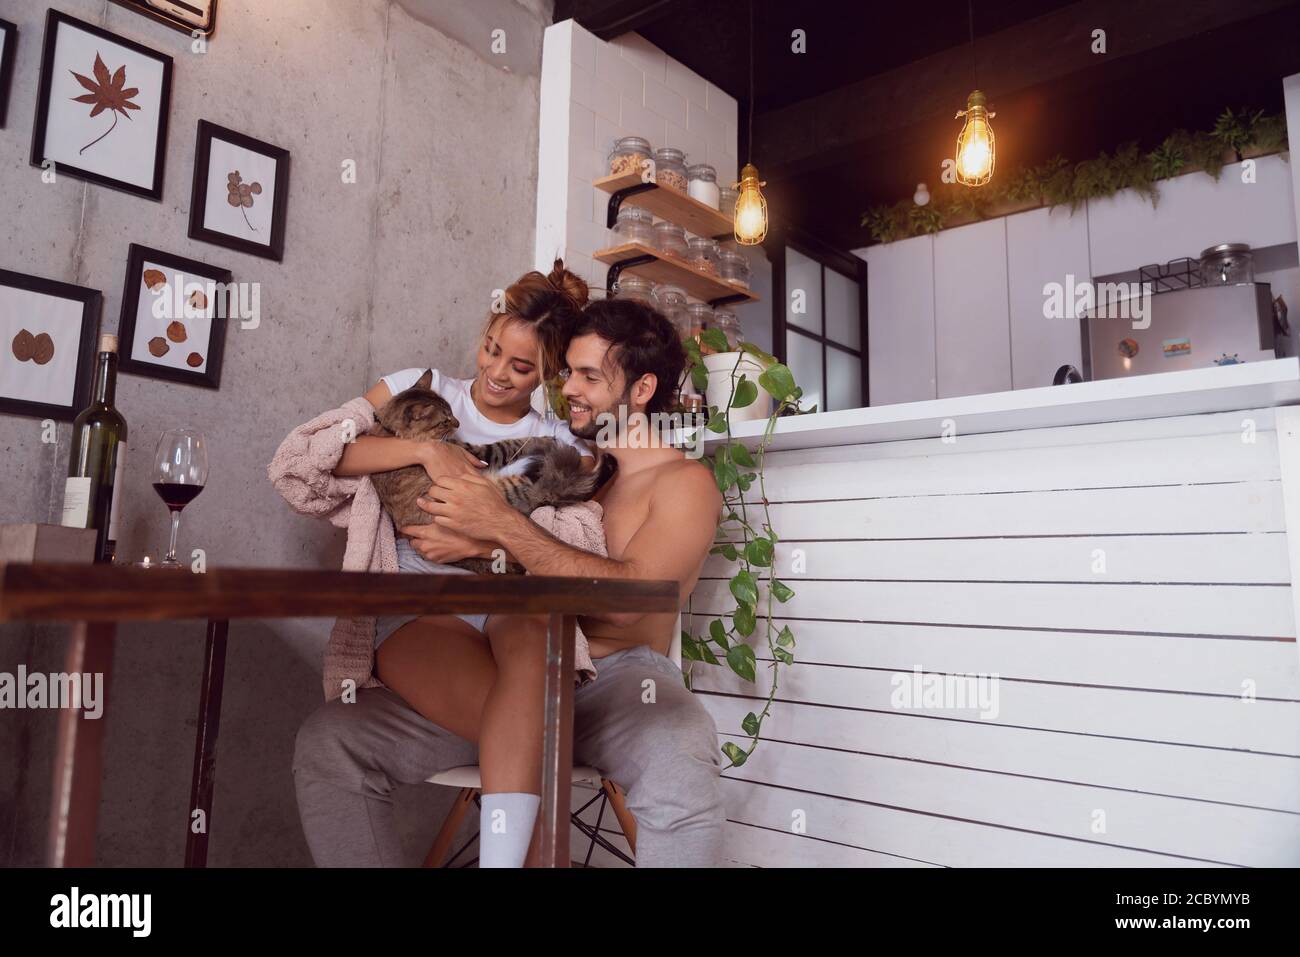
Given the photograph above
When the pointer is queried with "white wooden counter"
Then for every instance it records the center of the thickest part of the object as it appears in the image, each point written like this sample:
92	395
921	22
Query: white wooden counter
1116	552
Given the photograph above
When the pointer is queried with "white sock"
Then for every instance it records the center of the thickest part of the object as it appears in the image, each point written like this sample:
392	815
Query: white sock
506	828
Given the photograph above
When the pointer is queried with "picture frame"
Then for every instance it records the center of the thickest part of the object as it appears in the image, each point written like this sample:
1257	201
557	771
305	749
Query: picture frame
196	17
8	53
78	86
47	372
165	331
235	174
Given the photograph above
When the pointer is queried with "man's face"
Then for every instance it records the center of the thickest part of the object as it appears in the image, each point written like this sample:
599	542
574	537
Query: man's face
594	387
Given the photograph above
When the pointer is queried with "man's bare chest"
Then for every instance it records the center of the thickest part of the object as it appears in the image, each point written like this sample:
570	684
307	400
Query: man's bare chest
626	503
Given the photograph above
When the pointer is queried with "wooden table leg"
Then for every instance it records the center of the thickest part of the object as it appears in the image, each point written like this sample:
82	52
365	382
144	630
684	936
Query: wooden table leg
205	745
79	757
557	742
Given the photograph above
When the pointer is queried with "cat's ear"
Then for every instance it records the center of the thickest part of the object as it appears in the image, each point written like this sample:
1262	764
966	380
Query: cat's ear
425	381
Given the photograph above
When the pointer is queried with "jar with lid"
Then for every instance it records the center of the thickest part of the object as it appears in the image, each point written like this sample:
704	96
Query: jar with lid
1226	264
727	200
670	238
702	184
702	254
733	267
634	287
628	154
635	225
699	316
670	168
671	301
729	323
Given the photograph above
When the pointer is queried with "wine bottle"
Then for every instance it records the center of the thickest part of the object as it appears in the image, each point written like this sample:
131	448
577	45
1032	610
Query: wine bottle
92	493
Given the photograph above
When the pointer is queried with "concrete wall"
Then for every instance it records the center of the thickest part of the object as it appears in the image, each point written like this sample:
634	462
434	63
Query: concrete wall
391	271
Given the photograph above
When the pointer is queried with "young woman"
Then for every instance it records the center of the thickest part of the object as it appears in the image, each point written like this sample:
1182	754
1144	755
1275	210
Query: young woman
446	667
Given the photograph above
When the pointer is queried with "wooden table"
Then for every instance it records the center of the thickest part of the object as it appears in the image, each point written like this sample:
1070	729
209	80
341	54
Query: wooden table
96	597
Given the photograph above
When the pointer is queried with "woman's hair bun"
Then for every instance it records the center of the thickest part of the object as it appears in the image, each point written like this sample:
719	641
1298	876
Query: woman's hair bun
569	284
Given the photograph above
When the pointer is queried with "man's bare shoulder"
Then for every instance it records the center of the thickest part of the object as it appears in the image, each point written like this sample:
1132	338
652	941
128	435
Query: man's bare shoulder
687	479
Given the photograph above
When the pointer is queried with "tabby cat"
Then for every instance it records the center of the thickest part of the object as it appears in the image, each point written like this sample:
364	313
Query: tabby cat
530	472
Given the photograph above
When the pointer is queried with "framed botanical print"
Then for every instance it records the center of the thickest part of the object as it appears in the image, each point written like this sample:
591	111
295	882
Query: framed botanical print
173	323
101	107
8	51
48	329
241	192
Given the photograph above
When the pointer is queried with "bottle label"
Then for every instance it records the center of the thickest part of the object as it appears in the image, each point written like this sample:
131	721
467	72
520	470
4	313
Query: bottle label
117	492
76	503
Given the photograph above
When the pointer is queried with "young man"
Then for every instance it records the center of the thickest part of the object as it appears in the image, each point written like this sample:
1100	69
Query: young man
660	512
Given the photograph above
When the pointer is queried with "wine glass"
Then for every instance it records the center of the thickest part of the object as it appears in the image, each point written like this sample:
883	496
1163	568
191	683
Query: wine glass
179	474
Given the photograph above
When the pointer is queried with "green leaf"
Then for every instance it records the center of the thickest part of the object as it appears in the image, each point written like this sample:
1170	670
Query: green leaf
740	455
690	648
706	653
733	753
725	474
777	380
730	552
718	632
717	422
692	348
699	377
743	619
746	393
744	588
783	656
744	482
741	658
785	638
750	724
763	357
759	552
780	591
715	339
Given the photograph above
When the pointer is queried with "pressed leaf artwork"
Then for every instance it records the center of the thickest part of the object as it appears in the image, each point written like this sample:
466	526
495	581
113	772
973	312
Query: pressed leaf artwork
240	194
198	300
158	347
38	348
154	279
43	350
106	93
194	360
176	332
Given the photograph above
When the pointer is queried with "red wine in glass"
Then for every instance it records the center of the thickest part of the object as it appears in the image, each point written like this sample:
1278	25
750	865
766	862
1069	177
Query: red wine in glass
179	474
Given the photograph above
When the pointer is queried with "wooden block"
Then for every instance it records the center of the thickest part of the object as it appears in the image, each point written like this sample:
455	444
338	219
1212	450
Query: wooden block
32	542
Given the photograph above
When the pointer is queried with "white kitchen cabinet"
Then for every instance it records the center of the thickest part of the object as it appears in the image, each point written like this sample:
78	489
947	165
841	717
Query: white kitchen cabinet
900	320
1044	246
1193	213
972	328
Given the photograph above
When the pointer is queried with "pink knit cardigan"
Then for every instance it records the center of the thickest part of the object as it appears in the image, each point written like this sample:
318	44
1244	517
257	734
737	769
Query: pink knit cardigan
302	471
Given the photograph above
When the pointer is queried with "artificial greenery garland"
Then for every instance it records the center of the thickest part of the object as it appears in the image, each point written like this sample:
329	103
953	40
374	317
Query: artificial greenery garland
1058	181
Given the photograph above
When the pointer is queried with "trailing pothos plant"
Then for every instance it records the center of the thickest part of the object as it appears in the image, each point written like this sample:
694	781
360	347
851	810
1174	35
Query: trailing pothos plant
745	534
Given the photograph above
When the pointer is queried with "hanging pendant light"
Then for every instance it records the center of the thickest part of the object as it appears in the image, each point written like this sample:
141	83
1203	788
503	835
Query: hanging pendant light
750	222
975	152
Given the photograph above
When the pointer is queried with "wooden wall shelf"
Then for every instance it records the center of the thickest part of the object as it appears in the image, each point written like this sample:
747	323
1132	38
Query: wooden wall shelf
696	217
663	268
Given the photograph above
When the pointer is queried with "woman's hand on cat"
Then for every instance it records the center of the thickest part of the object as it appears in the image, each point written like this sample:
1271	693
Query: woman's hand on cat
470	505
445	459
438	544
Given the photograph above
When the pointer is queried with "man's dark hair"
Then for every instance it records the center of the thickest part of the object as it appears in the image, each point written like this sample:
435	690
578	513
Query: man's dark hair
641	340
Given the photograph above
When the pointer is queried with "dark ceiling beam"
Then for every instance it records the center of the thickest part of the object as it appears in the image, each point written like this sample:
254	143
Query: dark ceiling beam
821	131
610	18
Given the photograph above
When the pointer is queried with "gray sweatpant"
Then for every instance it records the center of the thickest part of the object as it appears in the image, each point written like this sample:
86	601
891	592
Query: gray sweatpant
663	752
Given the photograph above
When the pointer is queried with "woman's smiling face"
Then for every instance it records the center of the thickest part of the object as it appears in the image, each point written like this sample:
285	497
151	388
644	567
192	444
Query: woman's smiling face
508	369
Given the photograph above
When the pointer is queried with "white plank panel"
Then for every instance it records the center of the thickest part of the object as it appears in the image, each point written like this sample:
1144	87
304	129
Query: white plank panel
762	847
971	319
1200	665
1243	558
1247	610
1271	727
911	836
1234	777
1174	826
900	320
1044	246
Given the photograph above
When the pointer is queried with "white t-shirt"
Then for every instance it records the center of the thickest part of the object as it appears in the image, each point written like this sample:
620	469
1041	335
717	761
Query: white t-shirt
476	428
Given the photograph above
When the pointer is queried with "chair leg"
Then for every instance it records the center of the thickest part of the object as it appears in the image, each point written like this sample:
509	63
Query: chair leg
442	844
625	819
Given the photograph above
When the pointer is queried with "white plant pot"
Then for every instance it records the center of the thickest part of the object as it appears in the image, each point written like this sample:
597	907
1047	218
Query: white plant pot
720	367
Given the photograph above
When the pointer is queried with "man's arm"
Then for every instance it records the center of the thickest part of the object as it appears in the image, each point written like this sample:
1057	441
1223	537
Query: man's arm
670	544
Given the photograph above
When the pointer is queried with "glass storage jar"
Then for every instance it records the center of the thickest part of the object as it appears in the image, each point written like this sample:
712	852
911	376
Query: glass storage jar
634	287
628	154
671	301
1226	264
702	184
729	323
702	254
733	267
699	316
727	200
635	225
670	168
670	238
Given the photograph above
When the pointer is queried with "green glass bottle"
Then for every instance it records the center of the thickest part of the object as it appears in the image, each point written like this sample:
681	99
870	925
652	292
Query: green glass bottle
93	490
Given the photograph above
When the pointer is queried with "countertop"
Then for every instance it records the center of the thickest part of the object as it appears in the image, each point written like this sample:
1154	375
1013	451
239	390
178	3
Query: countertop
1247	385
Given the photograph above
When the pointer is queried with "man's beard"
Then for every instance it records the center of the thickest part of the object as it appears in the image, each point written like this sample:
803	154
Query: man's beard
596	421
